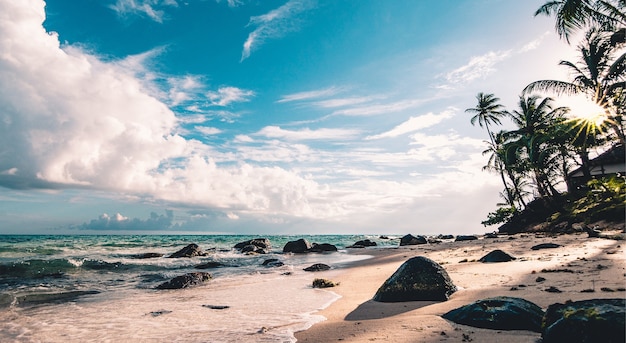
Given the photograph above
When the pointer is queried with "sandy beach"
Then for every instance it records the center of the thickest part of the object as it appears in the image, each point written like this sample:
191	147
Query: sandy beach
581	263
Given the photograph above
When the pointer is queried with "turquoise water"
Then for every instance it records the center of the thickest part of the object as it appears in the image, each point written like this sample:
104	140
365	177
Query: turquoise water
93	288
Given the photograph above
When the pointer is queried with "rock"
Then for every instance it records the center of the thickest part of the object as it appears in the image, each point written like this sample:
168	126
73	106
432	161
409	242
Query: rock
272	262
148	255
324	247
210	265
499	313
545	246
190	250
491	235
323	283
595	320
462	238
441	236
363	243
496	256
384	237
300	246
257	245
216	307
186	280
317	267
412	240
419	278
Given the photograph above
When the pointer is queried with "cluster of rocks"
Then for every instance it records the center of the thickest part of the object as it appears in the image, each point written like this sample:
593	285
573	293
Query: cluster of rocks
255	246
596	320
302	246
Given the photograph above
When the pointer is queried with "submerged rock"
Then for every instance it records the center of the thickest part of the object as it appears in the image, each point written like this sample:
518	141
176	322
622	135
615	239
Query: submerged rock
499	313
496	256
186	280
148	255
363	243
210	265
42	298
412	240
273	262
595	320
323	247
419	278
191	250
257	245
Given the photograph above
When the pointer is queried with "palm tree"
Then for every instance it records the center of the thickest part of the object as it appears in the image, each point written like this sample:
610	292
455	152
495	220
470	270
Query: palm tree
531	148
572	15
487	111
513	188
598	76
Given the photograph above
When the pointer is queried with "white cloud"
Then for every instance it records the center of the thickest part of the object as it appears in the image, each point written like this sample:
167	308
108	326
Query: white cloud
311	94
274	24
416	123
307	134
374	109
332	103
477	67
150	8
227	95
206	130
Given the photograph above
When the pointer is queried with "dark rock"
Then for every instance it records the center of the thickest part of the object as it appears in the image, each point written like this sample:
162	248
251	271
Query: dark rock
445	236
362	244
496	256
324	247
190	250
216	307
184	281
491	235
383	237
499	313
545	246
300	246
412	240
159	313
323	283
148	255
257	245
317	267
595	320
462	238
553	289
419	278
210	265
272	262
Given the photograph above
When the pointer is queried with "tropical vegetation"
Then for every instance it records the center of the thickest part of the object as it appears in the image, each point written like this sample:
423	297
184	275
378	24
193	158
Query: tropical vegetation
535	159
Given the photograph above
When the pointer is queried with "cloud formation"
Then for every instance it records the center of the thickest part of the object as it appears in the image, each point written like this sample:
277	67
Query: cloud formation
415	123
118	222
275	24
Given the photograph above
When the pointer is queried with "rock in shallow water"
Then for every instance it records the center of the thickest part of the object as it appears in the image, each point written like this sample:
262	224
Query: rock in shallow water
417	279
184	281
190	250
500	313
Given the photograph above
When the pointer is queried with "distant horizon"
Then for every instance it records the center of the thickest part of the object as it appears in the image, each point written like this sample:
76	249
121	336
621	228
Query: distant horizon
283	116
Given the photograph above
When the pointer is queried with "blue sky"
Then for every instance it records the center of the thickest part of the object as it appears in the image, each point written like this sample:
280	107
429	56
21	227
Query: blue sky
252	117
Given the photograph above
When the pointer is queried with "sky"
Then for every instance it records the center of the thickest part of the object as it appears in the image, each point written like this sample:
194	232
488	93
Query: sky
258	117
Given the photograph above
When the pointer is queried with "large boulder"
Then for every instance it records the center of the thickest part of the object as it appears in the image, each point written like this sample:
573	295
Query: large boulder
419	278
595	320
190	250
257	245
300	246
499	313
496	256
186	280
412	240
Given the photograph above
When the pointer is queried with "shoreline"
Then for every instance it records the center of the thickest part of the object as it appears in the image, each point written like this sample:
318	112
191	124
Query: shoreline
581	263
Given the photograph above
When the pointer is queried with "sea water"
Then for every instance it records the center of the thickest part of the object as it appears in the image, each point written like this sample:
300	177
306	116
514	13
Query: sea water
95	289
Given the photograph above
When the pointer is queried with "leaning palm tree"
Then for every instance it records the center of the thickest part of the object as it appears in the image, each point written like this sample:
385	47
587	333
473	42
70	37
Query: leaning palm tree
598	76
573	15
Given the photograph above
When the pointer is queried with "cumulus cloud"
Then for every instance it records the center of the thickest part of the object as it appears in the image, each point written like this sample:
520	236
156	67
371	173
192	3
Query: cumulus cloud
117	221
275	24
416	123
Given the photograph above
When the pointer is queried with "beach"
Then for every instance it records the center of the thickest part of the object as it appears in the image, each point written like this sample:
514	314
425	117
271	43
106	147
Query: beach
581	263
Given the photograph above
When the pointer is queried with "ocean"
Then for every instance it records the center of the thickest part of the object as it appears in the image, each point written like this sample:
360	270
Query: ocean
96	289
